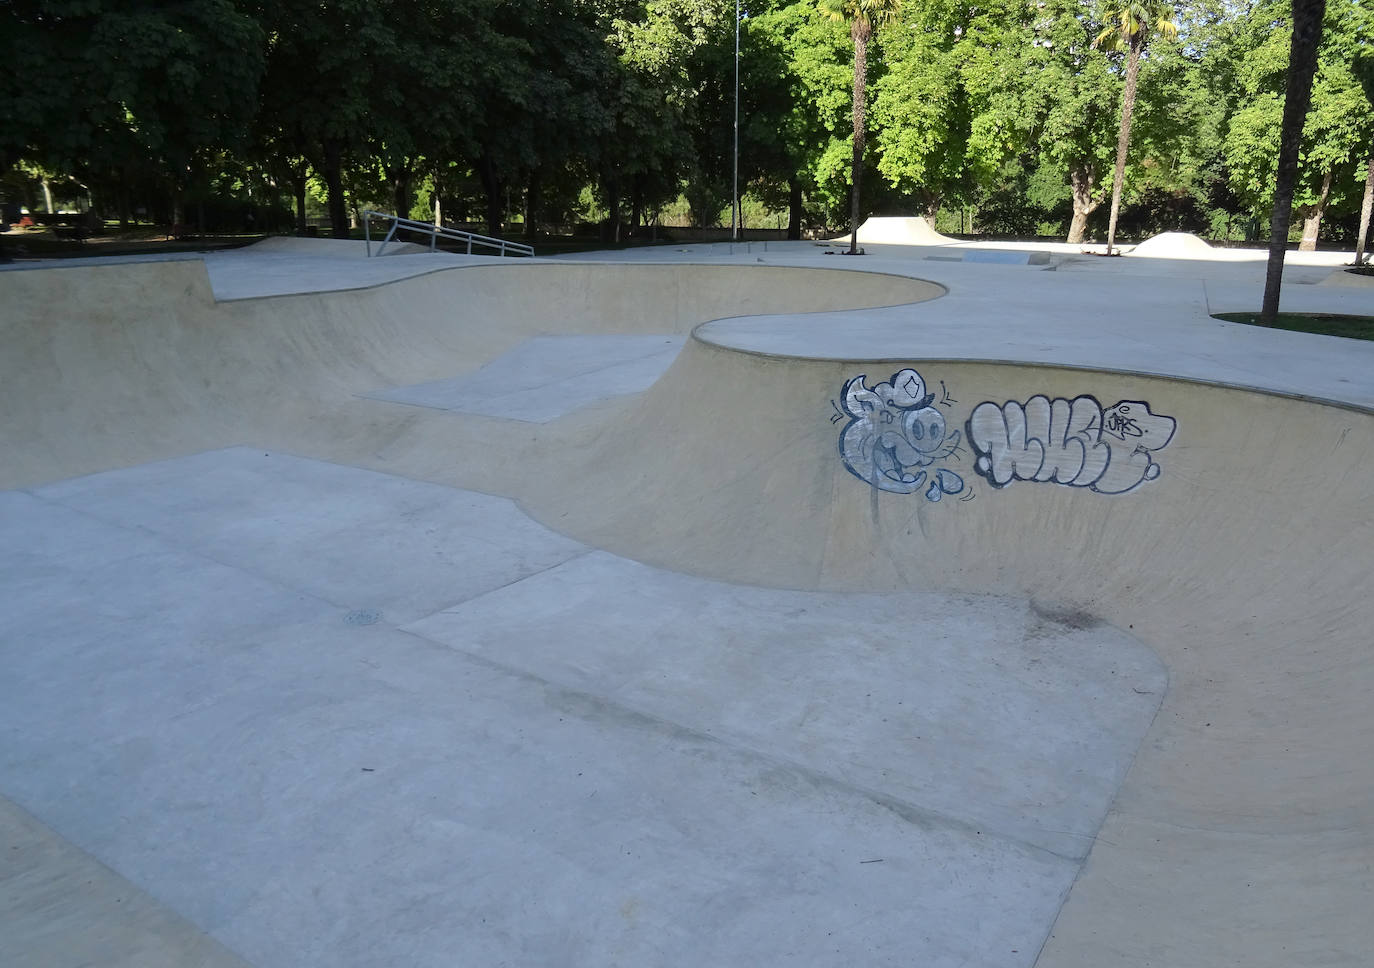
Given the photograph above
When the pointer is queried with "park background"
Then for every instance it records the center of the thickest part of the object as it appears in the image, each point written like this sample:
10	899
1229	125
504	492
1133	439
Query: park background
614	120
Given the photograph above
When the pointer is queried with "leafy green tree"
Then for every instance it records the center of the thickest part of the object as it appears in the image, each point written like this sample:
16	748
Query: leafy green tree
1362	66
319	91
1129	26
863	17
921	111
110	90
1337	129
810	133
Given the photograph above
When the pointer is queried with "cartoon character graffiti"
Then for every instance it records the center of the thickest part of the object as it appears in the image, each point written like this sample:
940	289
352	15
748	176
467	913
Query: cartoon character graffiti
1073	442
895	434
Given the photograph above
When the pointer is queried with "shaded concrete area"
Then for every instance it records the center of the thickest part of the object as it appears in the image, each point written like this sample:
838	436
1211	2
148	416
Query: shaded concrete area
61	906
603	761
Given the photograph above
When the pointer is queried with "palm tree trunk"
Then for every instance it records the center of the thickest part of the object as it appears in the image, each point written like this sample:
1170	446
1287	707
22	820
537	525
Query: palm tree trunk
1365	209
860	31
1123	140
1302	64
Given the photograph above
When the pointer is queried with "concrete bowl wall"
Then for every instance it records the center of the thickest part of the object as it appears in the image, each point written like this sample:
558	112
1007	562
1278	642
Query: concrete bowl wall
1245	829
1244	833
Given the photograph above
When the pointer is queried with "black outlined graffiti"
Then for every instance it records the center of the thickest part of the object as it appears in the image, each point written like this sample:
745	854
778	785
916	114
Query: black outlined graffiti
1072	442
895	436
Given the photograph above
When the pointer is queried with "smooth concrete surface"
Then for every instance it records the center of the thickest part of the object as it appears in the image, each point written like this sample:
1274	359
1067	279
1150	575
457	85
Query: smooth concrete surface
783	776
1134	325
1241	833
548	377
61	906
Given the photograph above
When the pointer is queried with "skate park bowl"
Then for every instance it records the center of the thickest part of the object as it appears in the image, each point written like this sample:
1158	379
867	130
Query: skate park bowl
704	613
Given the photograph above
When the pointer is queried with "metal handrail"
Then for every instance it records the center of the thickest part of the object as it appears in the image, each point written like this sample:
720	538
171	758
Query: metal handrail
435	232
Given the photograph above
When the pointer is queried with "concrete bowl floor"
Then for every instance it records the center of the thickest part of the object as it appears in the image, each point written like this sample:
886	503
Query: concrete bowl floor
430	610
336	717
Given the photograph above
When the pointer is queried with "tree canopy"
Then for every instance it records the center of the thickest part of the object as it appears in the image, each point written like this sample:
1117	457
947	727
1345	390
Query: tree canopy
1001	117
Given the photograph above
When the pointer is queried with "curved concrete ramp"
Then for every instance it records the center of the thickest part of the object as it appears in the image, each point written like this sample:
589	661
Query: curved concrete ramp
890	230
781	661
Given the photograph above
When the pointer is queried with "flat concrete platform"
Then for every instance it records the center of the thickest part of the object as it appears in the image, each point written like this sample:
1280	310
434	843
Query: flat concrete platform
735	605
227	681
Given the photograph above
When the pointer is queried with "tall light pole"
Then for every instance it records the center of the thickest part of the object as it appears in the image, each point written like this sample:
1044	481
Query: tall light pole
734	207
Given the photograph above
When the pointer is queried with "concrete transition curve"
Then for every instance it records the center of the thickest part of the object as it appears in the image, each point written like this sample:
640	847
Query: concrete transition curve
1230	531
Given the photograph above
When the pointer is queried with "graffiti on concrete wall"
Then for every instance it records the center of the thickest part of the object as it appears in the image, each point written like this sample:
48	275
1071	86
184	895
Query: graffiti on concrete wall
896	435
896	438
1074	442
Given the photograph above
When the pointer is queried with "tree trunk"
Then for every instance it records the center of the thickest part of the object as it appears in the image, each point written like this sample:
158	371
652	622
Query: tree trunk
860	31
491	185
400	177
1084	204
438	209
122	200
1312	217
931	203
298	192
333	180
613	209
299	177
1123	139
794	208
636	203
533	192
47	196
1365	209
1302	64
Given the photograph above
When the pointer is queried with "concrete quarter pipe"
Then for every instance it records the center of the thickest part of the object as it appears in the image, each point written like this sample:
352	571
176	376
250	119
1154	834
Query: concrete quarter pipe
390	626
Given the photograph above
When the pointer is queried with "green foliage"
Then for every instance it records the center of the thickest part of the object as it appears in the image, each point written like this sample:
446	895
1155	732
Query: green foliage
1340	124
1131	23
613	109
922	109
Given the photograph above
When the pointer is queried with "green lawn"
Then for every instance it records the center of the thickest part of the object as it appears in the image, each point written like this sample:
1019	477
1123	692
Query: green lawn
1326	324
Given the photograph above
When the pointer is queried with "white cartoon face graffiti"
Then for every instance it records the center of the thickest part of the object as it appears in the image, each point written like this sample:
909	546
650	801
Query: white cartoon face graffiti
895	434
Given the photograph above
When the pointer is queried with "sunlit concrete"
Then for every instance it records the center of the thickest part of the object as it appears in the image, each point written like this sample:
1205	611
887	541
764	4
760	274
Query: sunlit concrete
309	676
548	377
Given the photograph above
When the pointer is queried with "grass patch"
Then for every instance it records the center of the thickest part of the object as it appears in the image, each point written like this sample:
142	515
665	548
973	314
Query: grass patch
1324	324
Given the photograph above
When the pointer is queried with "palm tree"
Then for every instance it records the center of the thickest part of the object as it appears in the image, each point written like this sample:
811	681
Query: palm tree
1302	64
1130	26
863	17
